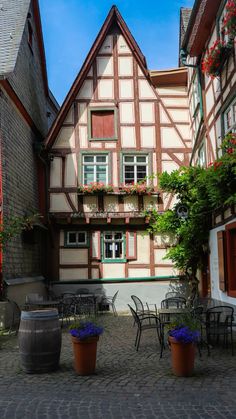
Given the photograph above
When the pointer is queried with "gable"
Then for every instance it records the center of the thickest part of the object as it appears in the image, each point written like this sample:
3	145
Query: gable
114	55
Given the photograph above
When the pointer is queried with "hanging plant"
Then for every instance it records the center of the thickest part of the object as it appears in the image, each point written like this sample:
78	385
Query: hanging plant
229	22
213	60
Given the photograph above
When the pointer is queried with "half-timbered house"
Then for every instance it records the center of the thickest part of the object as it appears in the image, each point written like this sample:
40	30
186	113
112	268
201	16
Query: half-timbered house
212	103
119	124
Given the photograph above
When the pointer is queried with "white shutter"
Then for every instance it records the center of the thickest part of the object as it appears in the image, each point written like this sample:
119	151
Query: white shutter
95	245
131	245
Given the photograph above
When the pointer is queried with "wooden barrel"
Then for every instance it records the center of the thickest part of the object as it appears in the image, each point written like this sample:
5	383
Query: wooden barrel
40	340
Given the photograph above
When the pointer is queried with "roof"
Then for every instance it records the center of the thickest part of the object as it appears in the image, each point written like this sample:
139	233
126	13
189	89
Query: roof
13	15
169	77
113	17
185	14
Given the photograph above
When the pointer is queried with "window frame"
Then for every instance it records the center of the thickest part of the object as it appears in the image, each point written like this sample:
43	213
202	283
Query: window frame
77	244
230	107
220	17
30	36
140	154
202	149
101	109
95	154
114	260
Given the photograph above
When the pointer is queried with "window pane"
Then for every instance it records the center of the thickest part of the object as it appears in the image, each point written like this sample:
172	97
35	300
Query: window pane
228	119
101	159
88	158
118	236
118	250
71	238
234	112
108	250
108	236
129	159
129	174
141	159
141	172
82	237
101	177
88	178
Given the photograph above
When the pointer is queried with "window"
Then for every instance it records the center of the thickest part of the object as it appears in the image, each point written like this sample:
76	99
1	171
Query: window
95	168
113	246
102	124
76	238
195	98
30	36
230	118
135	168
201	161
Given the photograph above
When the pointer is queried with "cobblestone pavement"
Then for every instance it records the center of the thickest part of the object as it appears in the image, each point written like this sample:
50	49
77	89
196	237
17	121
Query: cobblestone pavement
127	384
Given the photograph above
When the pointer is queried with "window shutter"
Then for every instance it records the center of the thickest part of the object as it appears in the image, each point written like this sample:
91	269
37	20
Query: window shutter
102	124
95	245
222	260
131	245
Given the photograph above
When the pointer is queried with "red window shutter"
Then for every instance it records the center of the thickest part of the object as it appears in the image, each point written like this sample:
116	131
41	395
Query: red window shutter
222	260
95	247
102	124
131	245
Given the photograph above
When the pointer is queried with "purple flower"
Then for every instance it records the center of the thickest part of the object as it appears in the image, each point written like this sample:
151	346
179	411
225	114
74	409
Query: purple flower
184	334
85	330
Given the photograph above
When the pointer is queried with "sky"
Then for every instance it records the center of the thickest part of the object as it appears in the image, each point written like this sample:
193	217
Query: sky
71	26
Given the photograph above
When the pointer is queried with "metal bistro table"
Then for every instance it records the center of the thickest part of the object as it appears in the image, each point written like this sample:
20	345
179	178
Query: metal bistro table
167	315
87	303
42	304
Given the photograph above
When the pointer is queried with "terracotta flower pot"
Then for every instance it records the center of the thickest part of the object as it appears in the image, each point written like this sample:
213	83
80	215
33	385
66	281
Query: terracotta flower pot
85	352
182	356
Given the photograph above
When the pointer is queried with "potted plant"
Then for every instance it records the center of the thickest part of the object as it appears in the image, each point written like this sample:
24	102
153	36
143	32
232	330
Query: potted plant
214	59
229	22
183	335
85	336
95	188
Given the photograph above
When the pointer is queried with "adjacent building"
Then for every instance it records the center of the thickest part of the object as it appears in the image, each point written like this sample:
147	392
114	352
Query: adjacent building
27	109
212	106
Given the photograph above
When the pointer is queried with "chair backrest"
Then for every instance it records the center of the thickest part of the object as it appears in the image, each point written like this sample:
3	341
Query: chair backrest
33	297
177	302
220	314
197	312
114	296
138	304
172	294
134	314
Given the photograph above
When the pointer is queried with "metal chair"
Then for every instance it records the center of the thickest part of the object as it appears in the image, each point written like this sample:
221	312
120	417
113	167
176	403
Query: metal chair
110	301
140	310
175	302
219	323
147	322
172	294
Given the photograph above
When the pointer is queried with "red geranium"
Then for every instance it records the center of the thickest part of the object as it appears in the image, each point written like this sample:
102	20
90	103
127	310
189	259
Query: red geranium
212	61
229	22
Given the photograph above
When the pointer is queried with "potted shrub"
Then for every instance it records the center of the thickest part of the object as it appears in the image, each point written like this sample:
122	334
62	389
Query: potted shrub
184	333
214	59
95	188
85	336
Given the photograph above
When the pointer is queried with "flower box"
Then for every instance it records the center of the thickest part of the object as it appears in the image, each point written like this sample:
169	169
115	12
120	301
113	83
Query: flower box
95	188
215	58
137	189
229	22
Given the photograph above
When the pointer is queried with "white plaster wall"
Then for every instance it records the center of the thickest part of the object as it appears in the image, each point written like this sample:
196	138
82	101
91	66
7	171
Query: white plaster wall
65	138
130	203
82	109
128	138
184	131
73	274
145	90
104	66
147	112
165	271
70	170
111	203
115	169
107	45
170	138
139	273
105	89
83	137
86	91
148	136
59	203
126	89
113	270
175	90
125	66
214	268
127	113
159	254
73	256
122	45
164	117
56	172
69	119
90	203
173	102
179	115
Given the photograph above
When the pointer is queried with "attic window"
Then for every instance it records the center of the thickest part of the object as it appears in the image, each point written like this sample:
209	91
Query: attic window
102	124
30	36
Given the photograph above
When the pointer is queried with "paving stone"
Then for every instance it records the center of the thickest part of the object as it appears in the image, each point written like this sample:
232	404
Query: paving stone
127	384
